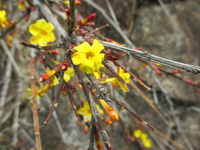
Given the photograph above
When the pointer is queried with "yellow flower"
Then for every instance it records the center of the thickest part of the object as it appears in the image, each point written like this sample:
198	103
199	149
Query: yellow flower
147	143
137	133
3	19
116	82
42	32
86	112
29	93
21	4
144	136
88	57
67	76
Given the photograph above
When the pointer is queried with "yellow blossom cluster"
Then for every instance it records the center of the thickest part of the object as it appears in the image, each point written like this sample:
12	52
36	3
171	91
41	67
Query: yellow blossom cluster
143	136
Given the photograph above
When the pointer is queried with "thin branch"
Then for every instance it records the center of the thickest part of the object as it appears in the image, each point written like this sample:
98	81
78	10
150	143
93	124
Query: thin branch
72	16
112	12
6	84
34	103
51	47
91	134
8	53
147	56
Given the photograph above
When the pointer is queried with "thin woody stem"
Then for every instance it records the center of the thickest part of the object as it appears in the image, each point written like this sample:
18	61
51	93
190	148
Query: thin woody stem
71	99
34	103
91	134
51	47
72	16
147	56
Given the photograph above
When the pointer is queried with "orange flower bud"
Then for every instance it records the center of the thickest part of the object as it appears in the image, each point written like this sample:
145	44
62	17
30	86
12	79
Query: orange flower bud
156	70
54	51
46	76
89	18
67	11
109	122
175	71
77	2
110	111
189	81
138	48
86	129
64	90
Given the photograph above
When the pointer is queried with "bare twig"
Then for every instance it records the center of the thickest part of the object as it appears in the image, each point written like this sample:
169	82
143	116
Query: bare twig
34	103
145	55
72	16
6	83
112	12
8	53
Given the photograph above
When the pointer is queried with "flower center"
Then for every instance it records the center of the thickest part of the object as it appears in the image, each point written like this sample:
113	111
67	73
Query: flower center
43	32
89	55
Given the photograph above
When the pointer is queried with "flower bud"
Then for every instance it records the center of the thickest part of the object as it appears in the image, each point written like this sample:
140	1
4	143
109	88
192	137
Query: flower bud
89	18
46	76
110	111
86	129
65	65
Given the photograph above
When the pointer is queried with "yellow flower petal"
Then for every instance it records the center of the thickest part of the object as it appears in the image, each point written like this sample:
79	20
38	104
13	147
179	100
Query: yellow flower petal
55	81
34	39
42	24
87	66
144	136
137	133
97	46
2	13
97	60
96	74
147	143
123	87
66	77
78	58
84	47
33	29
109	80
50	37
70	72
49	27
